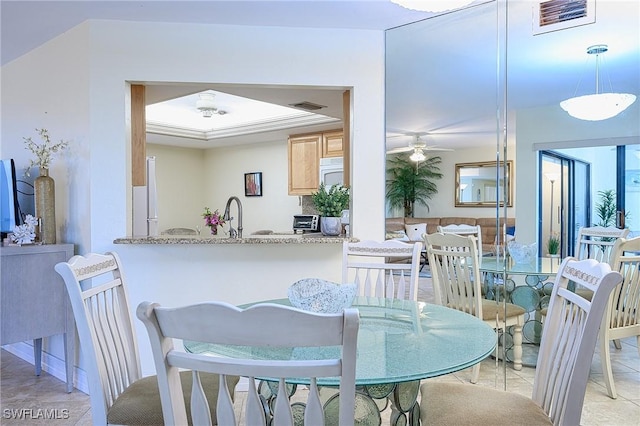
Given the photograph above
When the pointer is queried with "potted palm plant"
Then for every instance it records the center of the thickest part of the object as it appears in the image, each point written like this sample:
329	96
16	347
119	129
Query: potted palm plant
409	183
330	203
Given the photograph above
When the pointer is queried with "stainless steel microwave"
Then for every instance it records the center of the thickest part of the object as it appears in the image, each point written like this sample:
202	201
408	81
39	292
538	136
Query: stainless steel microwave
306	223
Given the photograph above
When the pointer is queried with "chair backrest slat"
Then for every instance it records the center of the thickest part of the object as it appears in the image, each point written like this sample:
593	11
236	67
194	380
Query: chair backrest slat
596	242
623	309
569	337
464	230
294	329
454	264
380	268
98	295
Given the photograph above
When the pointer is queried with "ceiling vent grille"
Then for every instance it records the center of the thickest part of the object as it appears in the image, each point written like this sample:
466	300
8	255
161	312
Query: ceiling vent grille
307	106
561	14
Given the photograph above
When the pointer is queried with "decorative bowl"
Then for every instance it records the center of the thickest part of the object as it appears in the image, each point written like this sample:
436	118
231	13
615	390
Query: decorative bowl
522	253
317	295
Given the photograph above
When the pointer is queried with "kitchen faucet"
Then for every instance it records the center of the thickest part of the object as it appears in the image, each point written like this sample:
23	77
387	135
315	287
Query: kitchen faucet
226	217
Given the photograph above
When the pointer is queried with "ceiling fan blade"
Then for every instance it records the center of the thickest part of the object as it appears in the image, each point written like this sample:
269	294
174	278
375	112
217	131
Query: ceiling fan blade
399	150
435	148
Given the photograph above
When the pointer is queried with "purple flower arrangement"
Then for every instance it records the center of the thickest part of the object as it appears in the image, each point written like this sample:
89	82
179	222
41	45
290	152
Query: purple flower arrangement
212	220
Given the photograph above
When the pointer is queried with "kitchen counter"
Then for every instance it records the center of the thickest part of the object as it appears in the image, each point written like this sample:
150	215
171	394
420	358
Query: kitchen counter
276	238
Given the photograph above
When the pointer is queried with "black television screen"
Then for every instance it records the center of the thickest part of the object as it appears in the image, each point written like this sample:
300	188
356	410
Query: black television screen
9	216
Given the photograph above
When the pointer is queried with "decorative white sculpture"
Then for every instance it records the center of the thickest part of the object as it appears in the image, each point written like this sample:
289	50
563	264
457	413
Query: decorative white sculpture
522	253
318	295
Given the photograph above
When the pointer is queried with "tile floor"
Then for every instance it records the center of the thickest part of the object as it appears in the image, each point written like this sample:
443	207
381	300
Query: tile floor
21	390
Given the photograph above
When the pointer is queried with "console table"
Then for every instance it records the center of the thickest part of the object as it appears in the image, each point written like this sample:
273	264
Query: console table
34	300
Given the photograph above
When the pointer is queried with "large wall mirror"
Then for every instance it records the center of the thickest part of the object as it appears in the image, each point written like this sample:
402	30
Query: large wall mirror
438	107
482	184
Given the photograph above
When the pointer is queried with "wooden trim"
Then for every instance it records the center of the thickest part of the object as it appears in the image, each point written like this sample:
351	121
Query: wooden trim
138	136
346	135
304	135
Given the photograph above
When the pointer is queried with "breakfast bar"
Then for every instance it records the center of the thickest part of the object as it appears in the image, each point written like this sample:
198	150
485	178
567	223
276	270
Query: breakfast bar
276	238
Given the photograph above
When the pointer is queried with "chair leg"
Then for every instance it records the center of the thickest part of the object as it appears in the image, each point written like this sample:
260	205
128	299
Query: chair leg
605	360
517	346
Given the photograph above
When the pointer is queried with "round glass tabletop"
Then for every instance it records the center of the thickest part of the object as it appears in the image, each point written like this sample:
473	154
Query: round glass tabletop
398	341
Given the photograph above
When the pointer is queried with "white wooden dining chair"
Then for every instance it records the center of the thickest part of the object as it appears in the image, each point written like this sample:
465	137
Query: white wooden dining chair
562	371
454	264
380	268
464	230
622	317
263	325
596	242
119	394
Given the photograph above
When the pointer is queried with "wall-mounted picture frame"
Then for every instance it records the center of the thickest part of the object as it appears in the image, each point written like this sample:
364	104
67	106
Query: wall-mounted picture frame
253	184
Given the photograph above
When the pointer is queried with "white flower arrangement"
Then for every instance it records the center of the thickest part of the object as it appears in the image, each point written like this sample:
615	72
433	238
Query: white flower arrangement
44	151
25	233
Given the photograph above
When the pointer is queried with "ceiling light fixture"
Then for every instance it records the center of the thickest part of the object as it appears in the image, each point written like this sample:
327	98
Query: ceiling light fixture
206	105
599	106
432	5
417	155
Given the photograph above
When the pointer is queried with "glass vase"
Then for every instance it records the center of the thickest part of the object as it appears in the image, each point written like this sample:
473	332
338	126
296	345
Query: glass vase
45	205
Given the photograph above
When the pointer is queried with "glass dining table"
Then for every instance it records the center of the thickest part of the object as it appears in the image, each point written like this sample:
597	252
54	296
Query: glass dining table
400	342
533	295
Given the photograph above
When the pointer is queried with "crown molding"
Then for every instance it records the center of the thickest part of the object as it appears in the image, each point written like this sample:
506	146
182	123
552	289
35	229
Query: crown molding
245	129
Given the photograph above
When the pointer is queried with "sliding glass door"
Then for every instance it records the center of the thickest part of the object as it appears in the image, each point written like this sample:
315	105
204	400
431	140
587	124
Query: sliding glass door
574	184
565	198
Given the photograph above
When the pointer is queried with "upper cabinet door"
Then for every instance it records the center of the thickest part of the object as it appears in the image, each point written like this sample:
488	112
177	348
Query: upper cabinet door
332	144
304	163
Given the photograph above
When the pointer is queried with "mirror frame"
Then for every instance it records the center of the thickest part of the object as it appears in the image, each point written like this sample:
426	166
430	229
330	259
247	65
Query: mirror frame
507	182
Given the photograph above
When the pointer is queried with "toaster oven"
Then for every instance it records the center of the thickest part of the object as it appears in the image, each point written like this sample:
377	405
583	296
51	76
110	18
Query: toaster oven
306	223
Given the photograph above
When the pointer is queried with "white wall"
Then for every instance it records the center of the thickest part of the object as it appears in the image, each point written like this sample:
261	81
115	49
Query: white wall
190	179
225	169
181	185
76	86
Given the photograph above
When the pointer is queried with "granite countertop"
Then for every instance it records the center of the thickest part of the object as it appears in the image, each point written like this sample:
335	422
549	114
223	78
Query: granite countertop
285	238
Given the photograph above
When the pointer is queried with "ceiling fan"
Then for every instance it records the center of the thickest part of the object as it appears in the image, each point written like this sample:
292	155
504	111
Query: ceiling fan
418	145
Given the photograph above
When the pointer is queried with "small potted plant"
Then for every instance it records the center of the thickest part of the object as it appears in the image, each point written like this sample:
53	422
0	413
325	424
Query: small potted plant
330	203
553	246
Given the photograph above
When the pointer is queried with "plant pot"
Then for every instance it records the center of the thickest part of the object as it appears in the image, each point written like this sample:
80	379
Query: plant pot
330	226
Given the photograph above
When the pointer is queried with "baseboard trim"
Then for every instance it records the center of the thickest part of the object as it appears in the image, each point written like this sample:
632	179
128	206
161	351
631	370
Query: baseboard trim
51	364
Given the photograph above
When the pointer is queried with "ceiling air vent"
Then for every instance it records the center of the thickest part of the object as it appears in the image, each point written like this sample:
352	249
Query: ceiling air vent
307	106
561	14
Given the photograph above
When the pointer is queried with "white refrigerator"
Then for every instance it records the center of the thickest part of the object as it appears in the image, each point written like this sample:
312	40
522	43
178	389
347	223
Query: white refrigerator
145	204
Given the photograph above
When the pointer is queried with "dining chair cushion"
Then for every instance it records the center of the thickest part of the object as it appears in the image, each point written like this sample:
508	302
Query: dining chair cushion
454	402
491	308
140	403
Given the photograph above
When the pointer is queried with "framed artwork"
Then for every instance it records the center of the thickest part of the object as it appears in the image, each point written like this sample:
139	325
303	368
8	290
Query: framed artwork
253	184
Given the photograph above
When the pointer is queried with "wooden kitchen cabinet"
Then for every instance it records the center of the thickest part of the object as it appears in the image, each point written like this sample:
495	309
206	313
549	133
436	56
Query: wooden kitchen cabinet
34	300
304	162
305	152
332	144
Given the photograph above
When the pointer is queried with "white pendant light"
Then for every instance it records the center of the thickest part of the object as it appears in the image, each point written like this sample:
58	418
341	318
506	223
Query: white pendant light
432	5
599	106
207	106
